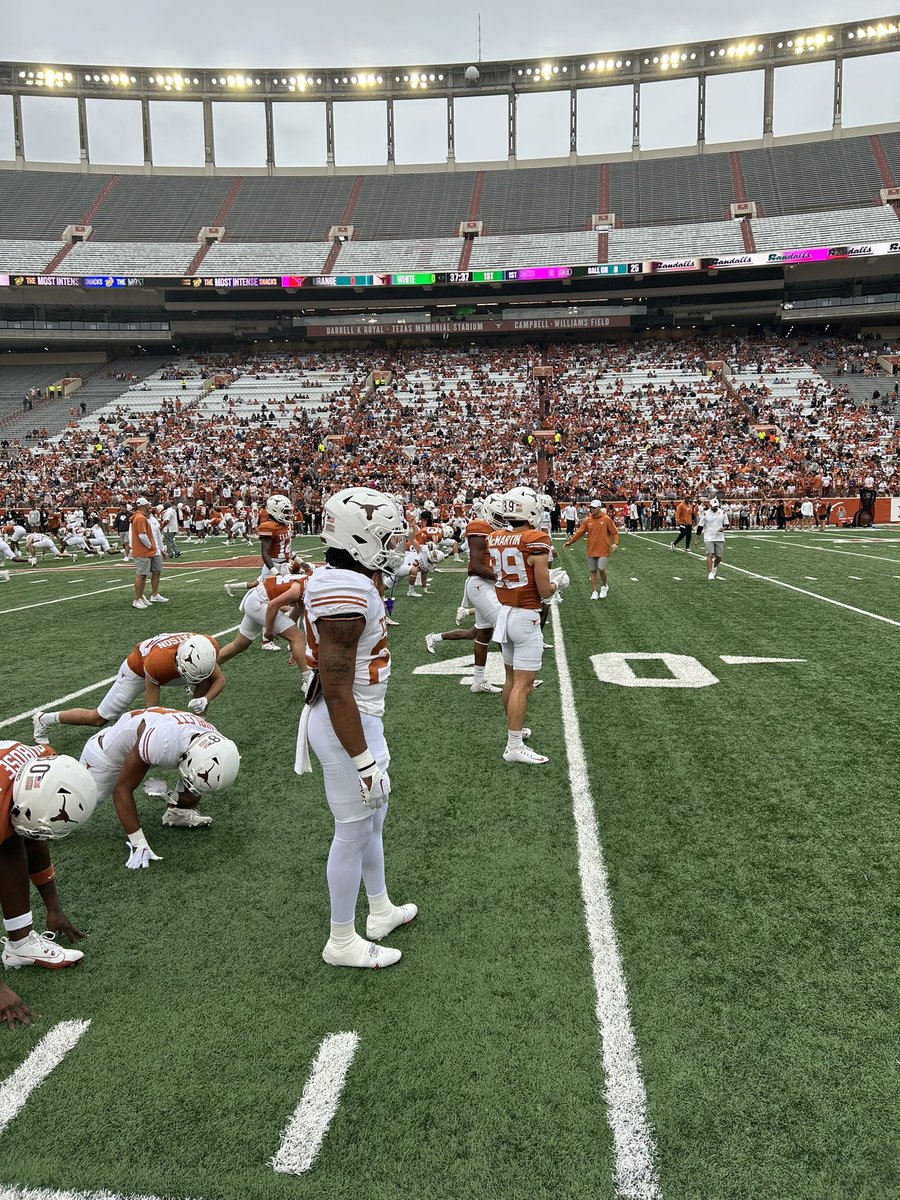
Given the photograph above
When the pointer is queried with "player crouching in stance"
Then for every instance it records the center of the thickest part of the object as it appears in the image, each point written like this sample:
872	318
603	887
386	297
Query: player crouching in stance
365	533
162	661
255	601
521	561
43	796
119	758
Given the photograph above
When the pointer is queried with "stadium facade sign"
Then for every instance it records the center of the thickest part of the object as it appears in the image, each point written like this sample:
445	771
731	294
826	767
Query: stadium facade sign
522	325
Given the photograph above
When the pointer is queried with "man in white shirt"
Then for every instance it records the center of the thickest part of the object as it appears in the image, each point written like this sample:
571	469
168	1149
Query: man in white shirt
570	516
713	522
170	528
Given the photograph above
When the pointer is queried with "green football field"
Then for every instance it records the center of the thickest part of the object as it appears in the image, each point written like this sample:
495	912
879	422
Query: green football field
664	965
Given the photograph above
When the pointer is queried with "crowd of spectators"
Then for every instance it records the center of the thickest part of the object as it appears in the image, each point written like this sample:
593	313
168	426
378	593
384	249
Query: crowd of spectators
631	420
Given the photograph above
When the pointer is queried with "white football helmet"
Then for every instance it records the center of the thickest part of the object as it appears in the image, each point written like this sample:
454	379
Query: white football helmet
368	525
280	509
210	763
547	501
492	510
523	504
196	658
51	797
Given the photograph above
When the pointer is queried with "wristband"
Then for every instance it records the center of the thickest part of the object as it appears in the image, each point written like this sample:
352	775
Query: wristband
364	762
137	840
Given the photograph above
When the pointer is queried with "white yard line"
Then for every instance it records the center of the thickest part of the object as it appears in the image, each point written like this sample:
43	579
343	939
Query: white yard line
47	1054
635	1173
29	1193
92	687
862	612
826	550
101	591
305	1131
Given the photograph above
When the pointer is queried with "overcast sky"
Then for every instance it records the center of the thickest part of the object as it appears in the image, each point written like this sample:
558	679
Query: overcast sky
180	34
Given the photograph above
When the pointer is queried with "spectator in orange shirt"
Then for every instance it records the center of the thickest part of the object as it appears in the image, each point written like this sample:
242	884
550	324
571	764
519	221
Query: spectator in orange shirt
602	541
147	556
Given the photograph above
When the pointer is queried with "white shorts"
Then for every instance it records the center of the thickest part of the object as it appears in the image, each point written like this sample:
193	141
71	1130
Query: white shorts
5	551
341	777
100	543
45	543
481	595
254	620
518	630
121	696
103	772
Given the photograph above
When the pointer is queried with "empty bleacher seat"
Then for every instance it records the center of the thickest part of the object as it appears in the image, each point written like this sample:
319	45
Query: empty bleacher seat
826	228
40	204
532	250
672	241
128	258
32	256
302	208
407	206
428	254
264	258
810	176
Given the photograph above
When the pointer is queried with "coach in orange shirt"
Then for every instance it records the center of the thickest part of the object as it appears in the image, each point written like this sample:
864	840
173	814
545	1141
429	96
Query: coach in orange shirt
684	519
602	540
147	556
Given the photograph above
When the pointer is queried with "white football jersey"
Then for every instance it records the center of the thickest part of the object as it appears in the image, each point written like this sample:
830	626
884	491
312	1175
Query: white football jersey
166	735
333	592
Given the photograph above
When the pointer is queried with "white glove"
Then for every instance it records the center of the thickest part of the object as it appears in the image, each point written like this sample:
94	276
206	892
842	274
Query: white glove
139	853
560	577
371	781
198	705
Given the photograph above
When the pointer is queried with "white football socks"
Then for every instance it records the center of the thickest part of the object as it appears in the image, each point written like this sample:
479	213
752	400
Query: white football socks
380	905
514	739
478	674
50	718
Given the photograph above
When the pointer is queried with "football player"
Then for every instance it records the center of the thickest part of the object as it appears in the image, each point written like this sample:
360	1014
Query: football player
480	596
254	604
520	556
166	660
42	796
43	542
274	532
119	758
8	552
346	635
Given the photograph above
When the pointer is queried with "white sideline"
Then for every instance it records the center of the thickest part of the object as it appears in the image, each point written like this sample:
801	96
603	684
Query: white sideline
305	1131
791	587
28	1193
47	1054
635	1173
100	591
92	687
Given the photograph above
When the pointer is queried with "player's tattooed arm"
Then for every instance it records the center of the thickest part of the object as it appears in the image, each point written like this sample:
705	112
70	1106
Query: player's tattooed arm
338	641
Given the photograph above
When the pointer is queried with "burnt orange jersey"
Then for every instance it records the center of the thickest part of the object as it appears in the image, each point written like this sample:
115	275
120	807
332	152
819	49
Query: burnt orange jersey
479	528
436	533
156	657
510	552
14	756
281	538
420	536
277	585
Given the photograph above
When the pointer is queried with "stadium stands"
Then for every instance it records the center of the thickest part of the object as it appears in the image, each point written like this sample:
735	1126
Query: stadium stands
809	229
262	258
720	237
431	254
17	254
677	190
300	209
533	250
161	208
128	258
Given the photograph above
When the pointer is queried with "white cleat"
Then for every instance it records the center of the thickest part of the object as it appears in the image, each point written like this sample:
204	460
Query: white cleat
461	614
379	927
4	576
360	953
32	562
157	599
234	589
39	730
482	685
431	640
185	818
390	621
39	950
414	595
267	645
524	754
711	575
604	592
142	603
595	595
